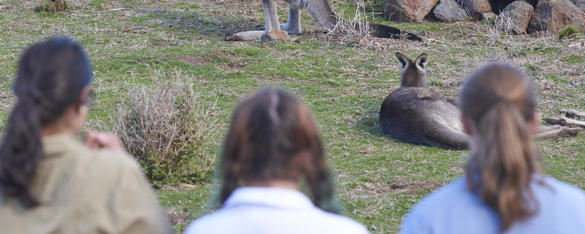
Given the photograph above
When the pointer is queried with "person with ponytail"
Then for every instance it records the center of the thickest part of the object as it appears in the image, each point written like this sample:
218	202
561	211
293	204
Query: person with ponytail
49	181
271	149
504	189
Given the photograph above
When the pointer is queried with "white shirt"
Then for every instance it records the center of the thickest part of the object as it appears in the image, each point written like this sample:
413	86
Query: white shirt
454	209
263	210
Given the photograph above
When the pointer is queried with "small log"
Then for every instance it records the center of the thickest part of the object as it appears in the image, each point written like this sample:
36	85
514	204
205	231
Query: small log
554	131
564	121
573	114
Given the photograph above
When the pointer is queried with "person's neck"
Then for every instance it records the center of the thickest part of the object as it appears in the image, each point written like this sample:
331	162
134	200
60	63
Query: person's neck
275	183
57	129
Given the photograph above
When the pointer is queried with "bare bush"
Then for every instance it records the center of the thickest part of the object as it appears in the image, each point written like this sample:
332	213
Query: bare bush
504	22
165	128
353	31
52	5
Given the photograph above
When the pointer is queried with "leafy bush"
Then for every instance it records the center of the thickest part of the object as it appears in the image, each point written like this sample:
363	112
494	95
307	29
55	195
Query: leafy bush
568	32
166	127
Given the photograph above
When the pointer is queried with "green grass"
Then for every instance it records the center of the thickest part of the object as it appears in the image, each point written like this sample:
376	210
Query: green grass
379	179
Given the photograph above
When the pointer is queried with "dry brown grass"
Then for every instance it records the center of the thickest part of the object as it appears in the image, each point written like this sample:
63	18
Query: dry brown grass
164	126
52	5
356	30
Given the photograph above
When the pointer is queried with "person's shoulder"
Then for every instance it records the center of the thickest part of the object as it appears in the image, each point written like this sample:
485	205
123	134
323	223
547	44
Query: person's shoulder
433	206
113	159
341	224
564	189
206	224
442	196
107	166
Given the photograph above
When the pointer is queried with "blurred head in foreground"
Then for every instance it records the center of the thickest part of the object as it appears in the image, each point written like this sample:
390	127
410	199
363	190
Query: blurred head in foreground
273	141
52	90
499	113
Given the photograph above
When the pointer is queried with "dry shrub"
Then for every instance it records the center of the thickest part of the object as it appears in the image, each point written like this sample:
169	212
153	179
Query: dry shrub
166	127
353	31
52	5
504	22
489	30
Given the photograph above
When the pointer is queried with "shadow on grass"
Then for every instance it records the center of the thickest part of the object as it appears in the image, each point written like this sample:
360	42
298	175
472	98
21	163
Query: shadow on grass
194	21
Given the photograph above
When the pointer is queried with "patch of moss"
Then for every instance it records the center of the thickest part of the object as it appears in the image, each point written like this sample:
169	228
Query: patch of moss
570	31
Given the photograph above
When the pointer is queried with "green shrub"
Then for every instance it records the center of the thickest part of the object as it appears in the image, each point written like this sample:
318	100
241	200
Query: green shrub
166	128
568	32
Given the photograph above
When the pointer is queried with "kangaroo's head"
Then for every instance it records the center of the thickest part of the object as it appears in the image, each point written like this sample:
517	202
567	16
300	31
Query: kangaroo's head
413	73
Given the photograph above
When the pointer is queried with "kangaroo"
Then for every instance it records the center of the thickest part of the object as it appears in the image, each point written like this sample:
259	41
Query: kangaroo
415	114
321	12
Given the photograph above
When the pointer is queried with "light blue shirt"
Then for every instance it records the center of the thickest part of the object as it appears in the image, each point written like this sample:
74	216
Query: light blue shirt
454	209
261	210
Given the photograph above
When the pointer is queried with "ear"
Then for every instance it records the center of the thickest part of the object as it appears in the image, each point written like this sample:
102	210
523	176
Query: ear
83	103
421	61
403	60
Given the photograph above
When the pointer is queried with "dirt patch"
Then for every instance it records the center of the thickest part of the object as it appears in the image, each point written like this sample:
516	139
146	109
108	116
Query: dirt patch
180	187
369	189
226	61
177	216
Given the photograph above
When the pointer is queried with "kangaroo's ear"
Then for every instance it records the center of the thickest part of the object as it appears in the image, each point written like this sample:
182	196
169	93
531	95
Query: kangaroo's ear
421	61
403	60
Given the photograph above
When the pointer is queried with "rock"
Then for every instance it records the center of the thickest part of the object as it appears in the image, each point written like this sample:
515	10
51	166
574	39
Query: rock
499	5
449	10
515	17
408	10
488	16
554	15
476	8
580	4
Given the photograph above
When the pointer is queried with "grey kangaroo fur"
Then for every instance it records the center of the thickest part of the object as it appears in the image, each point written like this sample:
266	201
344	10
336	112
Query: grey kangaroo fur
415	114
321	12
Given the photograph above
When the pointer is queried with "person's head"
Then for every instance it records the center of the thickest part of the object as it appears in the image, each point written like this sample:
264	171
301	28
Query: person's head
273	137
498	104
52	90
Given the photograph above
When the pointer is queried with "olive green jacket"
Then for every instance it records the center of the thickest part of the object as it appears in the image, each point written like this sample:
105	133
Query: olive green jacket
85	191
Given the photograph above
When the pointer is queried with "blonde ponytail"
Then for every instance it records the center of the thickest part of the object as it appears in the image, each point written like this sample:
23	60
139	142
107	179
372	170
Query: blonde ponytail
506	159
499	102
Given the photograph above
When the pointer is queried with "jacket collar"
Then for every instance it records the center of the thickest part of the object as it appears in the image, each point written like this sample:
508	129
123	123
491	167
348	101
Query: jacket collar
269	196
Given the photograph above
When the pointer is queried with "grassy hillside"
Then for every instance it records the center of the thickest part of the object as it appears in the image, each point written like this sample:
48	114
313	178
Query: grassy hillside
133	42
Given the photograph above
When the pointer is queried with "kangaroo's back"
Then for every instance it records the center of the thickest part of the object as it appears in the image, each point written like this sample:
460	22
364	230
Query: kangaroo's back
415	114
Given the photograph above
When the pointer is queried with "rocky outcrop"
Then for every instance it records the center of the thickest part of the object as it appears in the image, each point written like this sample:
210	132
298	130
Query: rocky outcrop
488	16
449	10
499	5
515	17
476	8
554	15
580	4
408	10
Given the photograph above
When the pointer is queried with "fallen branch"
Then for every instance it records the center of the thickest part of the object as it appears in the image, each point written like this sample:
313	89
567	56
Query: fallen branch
547	132
564	121
573	114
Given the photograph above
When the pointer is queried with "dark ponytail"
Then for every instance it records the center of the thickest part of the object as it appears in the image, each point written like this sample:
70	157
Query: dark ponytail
499	102
51	75
20	152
